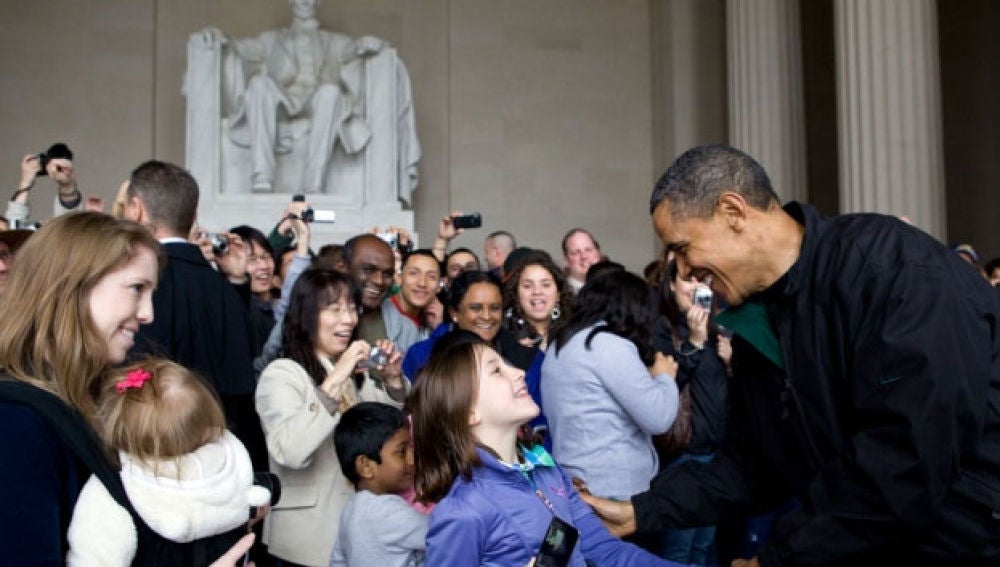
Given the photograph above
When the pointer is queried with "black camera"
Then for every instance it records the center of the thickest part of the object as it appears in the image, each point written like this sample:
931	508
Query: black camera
472	220
311	215
55	151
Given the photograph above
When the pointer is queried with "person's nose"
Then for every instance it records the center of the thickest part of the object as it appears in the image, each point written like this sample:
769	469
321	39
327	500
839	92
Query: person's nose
145	315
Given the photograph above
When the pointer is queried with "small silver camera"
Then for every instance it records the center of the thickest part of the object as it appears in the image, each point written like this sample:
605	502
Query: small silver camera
703	297
391	238
378	357
220	244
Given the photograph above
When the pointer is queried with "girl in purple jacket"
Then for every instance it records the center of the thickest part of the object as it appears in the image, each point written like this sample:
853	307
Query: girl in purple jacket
495	499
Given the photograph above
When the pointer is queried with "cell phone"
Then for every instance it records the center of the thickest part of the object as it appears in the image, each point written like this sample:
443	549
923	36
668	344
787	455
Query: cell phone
557	547
473	220
703	297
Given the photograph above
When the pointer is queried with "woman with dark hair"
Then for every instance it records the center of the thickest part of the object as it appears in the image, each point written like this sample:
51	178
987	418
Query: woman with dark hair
300	399
536	295
606	391
260	270
474	303
495	498
686	331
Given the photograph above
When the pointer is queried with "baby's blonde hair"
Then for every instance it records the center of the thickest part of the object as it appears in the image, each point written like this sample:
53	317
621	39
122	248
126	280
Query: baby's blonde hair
173	413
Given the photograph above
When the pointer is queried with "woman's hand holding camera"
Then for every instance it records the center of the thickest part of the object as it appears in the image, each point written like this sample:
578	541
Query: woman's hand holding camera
697	320
233	262
344	368
392	371
62	172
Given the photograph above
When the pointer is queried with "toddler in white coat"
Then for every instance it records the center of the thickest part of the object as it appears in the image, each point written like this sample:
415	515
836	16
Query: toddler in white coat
184	473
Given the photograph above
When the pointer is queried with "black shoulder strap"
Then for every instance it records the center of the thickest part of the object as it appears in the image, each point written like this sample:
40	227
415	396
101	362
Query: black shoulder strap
74	431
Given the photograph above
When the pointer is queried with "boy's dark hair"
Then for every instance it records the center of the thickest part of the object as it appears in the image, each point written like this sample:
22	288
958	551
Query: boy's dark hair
363	430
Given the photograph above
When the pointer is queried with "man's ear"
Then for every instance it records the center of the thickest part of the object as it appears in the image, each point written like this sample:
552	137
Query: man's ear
365	467
733	208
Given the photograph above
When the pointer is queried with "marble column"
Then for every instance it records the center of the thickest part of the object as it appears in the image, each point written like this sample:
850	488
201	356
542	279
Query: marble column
889	110
766	108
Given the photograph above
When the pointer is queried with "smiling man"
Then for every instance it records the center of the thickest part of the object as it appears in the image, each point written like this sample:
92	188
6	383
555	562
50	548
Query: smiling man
581	251
371	263
866	379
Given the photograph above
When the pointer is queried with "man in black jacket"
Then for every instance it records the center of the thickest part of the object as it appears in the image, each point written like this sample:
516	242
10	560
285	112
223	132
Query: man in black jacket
201	318
866	379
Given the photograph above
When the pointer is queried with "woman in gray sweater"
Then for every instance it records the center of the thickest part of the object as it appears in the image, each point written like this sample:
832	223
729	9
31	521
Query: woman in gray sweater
606	391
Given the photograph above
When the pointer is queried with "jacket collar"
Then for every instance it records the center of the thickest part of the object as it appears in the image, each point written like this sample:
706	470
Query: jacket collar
494	469
186	252
790	283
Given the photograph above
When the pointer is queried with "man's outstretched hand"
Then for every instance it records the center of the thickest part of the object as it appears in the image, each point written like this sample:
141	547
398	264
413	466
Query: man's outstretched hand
618	517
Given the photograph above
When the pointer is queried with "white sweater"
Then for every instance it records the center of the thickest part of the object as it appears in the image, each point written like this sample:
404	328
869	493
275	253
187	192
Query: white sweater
201	494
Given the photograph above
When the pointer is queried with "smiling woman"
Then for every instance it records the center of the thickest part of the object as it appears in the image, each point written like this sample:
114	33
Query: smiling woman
300	399
467	408
80	289
474	304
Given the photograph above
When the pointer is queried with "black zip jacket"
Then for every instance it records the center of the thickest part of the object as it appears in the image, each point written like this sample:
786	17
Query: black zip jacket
705	371
884	421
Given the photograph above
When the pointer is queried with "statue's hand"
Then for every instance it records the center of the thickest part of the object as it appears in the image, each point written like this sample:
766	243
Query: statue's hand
368	45
209	38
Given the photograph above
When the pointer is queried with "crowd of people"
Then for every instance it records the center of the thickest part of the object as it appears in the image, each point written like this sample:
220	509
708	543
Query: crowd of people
777	388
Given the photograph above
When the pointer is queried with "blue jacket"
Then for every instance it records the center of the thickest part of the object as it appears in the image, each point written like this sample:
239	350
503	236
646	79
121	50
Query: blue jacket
495	518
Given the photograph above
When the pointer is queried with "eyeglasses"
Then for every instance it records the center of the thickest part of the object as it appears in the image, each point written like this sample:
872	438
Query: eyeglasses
261	258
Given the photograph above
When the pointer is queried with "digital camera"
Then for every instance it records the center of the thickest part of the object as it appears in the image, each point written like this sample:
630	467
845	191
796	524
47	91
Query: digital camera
703	297
220	244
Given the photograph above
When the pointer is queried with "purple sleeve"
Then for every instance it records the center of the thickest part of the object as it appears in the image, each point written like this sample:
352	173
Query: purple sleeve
453	522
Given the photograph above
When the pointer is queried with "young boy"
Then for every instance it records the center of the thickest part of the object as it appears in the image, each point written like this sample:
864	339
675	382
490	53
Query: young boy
377	526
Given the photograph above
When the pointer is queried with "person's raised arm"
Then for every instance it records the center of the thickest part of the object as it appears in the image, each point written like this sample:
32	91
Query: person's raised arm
446	232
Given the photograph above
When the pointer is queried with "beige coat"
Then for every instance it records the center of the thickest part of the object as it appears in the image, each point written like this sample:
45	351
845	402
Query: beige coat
302	527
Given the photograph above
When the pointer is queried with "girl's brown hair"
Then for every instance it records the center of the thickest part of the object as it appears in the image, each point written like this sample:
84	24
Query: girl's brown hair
48	337
440	406
169	415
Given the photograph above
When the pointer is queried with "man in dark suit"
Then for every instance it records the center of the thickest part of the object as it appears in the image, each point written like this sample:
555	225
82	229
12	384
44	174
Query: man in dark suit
201	319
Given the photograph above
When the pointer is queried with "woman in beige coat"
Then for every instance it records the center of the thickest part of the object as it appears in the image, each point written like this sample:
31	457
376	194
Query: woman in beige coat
300	399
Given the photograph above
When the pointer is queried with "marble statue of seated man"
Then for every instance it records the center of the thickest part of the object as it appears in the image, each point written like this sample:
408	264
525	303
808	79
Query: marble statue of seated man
303	81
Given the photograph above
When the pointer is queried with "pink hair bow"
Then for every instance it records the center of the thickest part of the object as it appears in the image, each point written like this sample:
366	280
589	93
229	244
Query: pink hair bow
134	379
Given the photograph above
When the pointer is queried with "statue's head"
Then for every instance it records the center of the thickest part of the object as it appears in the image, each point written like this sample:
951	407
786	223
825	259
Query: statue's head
303	9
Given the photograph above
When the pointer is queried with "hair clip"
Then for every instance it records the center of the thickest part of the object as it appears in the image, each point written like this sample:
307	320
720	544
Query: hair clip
134	379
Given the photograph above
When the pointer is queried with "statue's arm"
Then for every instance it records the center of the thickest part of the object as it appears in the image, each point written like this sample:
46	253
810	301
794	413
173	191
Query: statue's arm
250	49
